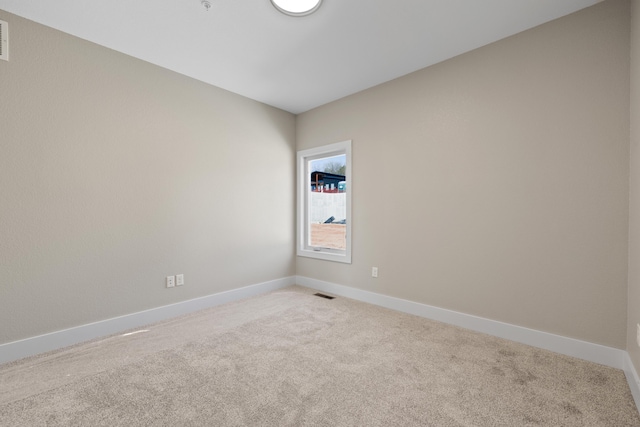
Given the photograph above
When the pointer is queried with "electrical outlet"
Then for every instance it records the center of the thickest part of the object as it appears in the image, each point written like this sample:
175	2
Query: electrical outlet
180	280
374	271
171	281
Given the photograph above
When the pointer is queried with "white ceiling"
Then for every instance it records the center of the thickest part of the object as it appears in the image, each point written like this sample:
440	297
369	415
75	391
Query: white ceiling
293	63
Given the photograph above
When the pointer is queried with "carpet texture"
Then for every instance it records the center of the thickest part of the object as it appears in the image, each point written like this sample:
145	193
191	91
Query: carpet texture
289	358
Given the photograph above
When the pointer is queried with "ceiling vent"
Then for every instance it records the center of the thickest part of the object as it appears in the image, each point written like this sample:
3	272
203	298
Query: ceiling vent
4	40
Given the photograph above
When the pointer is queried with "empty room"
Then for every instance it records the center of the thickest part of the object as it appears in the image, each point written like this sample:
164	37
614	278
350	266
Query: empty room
320	213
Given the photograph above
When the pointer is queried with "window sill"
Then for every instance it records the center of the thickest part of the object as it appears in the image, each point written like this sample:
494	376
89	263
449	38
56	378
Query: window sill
324	255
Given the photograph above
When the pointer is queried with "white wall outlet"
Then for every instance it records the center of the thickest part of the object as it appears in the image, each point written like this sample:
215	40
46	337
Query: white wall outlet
374	271
4	40
180	280
171	281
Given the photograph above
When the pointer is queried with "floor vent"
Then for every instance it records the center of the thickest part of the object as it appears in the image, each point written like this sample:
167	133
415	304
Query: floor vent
323	296
4	40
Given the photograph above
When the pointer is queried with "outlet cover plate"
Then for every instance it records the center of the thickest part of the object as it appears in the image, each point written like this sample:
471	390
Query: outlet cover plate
4	40
171	281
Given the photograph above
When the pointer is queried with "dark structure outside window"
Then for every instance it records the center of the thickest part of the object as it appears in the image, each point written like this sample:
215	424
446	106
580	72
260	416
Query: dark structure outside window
328	182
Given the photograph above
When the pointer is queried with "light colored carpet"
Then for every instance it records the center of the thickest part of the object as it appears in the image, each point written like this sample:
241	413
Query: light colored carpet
289	358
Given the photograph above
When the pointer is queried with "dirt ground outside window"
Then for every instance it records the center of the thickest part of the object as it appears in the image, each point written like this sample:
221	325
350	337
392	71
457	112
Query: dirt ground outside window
332	236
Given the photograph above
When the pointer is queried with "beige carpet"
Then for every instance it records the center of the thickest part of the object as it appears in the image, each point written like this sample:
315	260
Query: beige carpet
293	359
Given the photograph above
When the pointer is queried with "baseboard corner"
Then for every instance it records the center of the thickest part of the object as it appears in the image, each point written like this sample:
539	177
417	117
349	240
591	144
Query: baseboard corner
632	378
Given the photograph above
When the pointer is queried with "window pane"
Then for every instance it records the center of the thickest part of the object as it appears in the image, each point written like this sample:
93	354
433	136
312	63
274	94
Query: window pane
327	203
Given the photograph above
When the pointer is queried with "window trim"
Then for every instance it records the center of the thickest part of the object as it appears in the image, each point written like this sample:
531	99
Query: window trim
303	201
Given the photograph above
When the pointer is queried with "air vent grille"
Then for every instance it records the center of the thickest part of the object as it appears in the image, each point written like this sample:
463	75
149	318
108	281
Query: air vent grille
4	40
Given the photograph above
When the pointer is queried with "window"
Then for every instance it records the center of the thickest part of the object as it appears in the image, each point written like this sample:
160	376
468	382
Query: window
324	202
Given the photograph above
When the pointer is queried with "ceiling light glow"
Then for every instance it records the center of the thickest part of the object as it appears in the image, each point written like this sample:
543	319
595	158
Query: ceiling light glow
297	7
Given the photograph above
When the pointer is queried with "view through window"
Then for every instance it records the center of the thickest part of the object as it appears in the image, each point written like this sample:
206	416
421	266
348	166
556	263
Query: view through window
328	207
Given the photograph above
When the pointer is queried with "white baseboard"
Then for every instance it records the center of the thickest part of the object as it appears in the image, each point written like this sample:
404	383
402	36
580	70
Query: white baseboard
632	378
596	353
603	355
64	338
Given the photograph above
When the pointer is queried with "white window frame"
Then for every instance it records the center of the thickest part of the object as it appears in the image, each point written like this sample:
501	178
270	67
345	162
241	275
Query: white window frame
303	202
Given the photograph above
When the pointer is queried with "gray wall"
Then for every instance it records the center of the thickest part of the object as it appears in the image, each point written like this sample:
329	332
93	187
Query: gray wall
496	183
115	173
507	169
634	191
